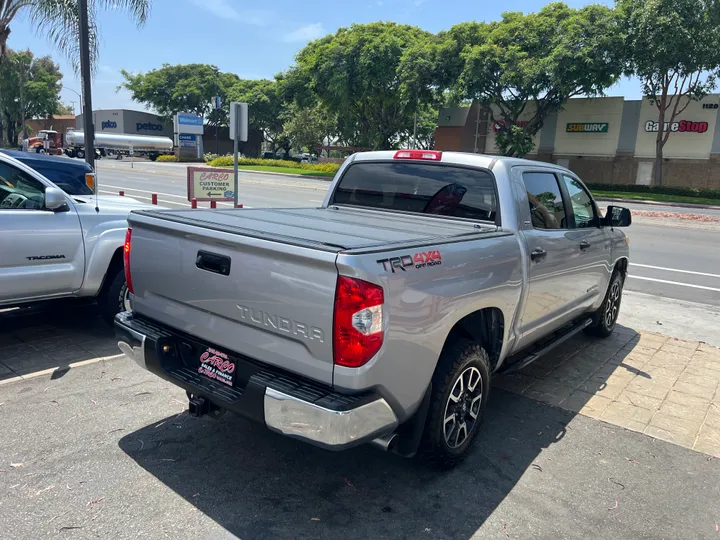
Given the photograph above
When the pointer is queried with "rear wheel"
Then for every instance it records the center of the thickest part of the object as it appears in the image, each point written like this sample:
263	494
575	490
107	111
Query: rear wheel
114	297
461	386
80	154
605	318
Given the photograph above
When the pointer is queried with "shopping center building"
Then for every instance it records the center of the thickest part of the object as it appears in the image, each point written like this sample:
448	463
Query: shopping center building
605	140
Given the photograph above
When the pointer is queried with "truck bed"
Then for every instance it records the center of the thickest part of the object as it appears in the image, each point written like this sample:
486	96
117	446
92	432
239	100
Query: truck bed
330	229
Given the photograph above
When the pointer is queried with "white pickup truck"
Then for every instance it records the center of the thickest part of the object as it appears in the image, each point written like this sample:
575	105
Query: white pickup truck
56	243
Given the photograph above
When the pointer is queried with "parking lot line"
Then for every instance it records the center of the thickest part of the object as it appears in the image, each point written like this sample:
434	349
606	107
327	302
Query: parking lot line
667	282
50	371
675	270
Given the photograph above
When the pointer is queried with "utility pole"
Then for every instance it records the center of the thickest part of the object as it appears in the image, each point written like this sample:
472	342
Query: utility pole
85	69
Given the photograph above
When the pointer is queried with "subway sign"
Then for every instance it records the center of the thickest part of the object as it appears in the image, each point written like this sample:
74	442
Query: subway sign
683	126
597	127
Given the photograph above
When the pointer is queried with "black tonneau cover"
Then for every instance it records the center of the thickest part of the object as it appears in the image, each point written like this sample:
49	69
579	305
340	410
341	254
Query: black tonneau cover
334	228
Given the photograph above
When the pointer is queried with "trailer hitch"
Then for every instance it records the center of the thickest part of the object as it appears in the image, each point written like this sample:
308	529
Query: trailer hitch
199	406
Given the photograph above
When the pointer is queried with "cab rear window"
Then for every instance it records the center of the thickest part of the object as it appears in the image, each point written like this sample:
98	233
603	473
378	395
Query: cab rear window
444	190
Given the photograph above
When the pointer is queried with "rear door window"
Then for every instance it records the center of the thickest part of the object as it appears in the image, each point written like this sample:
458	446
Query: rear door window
547	210
444	190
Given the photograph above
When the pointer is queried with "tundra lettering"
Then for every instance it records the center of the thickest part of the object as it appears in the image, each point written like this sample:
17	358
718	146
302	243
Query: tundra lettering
282	324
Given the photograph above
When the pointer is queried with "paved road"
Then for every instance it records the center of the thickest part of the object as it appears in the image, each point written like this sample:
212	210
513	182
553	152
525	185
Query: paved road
687	264
105	450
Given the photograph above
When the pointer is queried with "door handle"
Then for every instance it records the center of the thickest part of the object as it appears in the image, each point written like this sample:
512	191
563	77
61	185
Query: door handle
584	245
212	262
538	254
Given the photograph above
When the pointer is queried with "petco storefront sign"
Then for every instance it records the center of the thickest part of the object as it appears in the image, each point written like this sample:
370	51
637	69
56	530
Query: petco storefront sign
683	126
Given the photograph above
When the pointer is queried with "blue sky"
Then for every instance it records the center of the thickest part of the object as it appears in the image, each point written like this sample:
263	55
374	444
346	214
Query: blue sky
253	40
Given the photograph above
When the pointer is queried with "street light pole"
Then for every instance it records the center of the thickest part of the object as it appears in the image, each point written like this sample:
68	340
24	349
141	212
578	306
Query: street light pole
88	128
78	95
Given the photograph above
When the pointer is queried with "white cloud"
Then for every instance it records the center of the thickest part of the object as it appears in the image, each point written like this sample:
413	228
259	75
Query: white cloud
225	10
107	69
305	33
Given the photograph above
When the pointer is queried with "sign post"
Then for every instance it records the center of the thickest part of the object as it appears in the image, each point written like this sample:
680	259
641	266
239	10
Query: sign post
238	132
189	124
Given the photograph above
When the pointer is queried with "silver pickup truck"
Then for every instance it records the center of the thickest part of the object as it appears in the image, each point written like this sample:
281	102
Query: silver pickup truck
380	316
56	243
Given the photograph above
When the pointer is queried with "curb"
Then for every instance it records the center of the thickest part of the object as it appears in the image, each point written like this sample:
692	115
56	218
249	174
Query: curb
657	203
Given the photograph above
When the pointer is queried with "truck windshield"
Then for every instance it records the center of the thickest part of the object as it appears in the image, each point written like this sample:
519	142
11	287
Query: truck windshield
419	187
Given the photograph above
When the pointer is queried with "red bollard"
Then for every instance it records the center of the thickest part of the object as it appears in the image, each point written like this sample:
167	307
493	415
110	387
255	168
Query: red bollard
239	205
122	193
193	203
213	204
154	198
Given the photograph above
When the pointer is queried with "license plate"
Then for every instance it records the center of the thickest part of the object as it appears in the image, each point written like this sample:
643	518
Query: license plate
217	366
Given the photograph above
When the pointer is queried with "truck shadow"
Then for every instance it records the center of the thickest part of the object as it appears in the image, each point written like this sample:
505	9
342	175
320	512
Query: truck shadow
257	484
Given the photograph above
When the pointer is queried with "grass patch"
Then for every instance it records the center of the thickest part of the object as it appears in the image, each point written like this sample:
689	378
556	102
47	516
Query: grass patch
656	197
282	170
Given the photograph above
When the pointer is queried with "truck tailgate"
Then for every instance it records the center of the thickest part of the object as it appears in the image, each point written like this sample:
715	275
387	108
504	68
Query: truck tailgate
268	300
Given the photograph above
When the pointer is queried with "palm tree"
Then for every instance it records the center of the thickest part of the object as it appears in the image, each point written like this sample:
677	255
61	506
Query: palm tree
58	21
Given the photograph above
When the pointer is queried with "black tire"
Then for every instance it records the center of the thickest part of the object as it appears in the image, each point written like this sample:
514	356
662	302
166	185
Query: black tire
80	154
605	318
111	300
441	445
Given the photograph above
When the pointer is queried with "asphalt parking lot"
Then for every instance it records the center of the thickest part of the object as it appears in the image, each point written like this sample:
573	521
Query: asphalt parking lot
96	447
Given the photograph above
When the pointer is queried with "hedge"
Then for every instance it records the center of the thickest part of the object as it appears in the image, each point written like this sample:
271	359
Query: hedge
227	161
166	158
663	190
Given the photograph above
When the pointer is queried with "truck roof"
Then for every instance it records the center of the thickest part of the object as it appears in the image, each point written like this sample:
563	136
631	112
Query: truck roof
487	161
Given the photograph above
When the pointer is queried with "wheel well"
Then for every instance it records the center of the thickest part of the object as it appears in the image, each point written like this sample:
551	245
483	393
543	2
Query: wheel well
116	264
486	327
622	267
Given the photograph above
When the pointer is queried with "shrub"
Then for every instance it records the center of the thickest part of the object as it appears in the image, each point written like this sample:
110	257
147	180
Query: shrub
209	156
663	190
166	159
227	161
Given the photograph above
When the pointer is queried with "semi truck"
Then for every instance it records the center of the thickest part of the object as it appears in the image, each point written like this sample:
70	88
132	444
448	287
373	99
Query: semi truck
45	141
118	145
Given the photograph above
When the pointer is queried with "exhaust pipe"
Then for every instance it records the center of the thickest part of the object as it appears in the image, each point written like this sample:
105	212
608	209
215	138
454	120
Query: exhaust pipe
386	442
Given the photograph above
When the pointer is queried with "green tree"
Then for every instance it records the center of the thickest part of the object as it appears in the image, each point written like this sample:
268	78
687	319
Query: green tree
674	49
266	108
530	65
309	127
362	74
31	87
57	20
182	88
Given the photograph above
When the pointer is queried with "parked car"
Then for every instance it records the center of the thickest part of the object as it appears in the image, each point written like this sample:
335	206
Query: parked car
382	315
58	243
67	174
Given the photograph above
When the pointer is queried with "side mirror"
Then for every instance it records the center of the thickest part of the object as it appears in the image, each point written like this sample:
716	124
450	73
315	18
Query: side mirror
55	200
618	216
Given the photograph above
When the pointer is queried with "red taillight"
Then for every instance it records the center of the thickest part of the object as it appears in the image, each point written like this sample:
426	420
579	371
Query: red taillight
358	329
427	155
126	259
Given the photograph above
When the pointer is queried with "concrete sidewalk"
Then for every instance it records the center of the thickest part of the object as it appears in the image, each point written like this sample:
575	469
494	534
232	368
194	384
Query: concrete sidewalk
664	387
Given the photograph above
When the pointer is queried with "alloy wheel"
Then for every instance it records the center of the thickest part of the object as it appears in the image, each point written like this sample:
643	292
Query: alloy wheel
463	407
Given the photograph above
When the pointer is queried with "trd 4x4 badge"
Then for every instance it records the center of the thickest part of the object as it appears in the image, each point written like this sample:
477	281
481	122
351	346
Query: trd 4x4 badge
418	260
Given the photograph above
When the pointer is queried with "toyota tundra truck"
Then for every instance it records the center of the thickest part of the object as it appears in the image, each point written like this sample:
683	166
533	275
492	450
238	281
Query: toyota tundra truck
382	315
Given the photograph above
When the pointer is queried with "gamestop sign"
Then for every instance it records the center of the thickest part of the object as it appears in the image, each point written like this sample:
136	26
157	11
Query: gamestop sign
683	126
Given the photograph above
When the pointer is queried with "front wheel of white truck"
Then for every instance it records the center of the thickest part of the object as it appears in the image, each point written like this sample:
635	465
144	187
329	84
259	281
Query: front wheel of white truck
461	386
